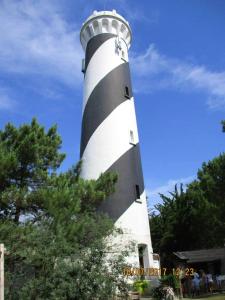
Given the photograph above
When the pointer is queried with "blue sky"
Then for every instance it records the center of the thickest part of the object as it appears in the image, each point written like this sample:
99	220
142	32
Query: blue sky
178	72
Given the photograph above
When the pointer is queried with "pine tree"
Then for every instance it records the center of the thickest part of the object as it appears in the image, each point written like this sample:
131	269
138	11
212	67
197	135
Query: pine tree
55	239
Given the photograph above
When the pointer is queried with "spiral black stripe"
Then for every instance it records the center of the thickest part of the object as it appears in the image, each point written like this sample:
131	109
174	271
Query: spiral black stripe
129	170
106	96
94	44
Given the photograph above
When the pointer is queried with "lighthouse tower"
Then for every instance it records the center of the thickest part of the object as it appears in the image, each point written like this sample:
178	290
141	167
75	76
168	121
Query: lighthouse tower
109	138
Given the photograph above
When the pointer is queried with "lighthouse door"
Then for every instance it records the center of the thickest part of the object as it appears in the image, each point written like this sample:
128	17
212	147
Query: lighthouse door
143	256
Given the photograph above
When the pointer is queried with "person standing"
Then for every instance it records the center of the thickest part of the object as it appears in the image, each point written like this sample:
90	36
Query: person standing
196	285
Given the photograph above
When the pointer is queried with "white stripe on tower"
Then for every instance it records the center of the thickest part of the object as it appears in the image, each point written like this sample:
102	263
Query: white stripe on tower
99	66
109	139
101	145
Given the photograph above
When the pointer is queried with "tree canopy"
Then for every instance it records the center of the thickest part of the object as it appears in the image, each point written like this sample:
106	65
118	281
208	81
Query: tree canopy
193	218
48	222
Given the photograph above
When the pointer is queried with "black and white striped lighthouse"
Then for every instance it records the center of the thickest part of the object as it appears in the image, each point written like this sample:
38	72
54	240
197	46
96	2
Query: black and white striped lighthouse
109	138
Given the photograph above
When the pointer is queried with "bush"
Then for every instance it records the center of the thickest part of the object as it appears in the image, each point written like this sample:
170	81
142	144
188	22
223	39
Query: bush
171	280
158	293
140	286
163	292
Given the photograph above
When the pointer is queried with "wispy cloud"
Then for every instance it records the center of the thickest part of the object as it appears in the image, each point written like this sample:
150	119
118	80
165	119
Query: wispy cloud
134	13
6	102
131	10
152	70
169	185
153	194
36	40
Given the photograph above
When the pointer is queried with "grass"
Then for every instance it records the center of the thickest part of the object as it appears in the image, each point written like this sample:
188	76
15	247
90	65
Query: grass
215	297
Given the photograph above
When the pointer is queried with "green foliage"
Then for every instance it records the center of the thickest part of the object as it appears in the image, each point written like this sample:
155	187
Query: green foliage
170	280
49	225
140	286
192	219
28	155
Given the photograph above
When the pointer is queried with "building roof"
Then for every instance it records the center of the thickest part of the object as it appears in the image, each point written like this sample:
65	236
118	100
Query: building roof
205	255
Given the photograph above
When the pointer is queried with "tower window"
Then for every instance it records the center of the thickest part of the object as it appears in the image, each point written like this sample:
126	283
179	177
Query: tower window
127	92
133	140
123	56
131	137
83	66
137	189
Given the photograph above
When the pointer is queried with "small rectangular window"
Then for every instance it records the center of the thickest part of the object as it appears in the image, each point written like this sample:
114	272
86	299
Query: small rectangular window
127	92
132	141
132	138
137	189
83	66
123	56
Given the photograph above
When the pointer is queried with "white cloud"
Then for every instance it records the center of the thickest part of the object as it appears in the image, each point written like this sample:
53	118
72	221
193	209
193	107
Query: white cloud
153	194
169	185
135	13
129	10
153	70
36	40
6	102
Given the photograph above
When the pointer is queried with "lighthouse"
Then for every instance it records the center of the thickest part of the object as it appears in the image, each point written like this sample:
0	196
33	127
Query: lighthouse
109	137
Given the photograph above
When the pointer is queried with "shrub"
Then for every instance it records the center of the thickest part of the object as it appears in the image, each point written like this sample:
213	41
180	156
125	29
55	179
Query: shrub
163	292
158	293
170	280
140	286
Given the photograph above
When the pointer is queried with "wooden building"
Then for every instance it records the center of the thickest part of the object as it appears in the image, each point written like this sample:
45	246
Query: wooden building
210	260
